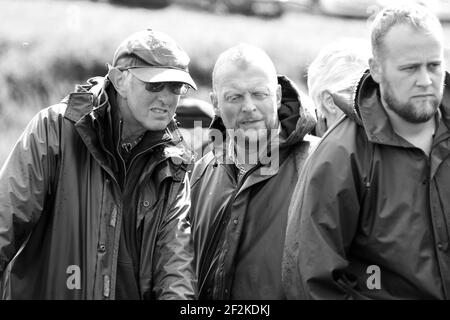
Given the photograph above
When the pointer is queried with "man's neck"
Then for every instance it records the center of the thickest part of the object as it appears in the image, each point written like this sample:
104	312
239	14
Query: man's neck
131	133
418	134
245	158
248	155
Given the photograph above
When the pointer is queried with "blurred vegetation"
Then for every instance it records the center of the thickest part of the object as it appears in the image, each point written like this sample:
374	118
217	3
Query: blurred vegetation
46	47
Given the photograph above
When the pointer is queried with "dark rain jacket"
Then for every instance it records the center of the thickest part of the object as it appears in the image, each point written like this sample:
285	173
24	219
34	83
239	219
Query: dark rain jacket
370	216
61	205
221	204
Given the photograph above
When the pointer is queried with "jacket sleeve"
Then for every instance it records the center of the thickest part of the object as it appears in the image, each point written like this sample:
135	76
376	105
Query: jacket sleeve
322	221
24	183
174	276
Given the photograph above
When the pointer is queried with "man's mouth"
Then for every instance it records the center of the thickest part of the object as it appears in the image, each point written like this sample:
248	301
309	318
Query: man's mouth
250	121
159	110
421	96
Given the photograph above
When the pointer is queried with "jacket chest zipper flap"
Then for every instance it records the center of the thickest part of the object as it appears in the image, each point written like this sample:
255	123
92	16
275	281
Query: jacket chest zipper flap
235	211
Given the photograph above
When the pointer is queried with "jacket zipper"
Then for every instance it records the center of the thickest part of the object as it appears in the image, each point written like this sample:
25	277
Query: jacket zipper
106	280
222	283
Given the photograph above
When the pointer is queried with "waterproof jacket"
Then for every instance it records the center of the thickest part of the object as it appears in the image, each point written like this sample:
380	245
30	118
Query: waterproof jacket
370	215
222	205
61	205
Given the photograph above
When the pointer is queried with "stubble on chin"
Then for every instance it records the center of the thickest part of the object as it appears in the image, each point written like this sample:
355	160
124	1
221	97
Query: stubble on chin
413	112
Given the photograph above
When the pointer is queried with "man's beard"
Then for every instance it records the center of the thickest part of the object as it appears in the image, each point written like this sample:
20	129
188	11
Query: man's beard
410	111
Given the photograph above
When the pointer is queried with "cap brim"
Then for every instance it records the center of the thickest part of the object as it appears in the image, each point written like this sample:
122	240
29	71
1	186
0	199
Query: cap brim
163	75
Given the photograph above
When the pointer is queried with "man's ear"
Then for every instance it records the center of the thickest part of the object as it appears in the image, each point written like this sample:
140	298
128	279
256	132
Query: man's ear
118	78
214	102
375	69
279	96
328	105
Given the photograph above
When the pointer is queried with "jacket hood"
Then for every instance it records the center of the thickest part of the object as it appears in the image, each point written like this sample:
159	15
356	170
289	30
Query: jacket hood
295	118
295	115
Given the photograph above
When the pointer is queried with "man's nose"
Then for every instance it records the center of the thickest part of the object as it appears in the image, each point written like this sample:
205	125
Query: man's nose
247	104
423	78
165	95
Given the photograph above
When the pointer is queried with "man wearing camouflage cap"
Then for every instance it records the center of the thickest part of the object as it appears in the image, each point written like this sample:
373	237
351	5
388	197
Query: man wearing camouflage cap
94	196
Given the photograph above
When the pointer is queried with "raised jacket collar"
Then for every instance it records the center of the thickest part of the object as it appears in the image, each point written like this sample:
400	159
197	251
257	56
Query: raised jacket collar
365	109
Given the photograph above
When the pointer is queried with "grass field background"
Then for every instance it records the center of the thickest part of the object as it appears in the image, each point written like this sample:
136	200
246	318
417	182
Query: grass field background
46	47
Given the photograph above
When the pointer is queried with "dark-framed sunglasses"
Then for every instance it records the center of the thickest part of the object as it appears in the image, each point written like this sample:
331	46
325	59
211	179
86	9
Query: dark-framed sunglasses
177	88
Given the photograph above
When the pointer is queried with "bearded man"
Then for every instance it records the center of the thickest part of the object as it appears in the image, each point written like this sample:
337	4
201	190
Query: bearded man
369	217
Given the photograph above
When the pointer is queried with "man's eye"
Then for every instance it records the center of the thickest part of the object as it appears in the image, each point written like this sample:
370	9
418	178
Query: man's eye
233	98
260	95
434	66
410	68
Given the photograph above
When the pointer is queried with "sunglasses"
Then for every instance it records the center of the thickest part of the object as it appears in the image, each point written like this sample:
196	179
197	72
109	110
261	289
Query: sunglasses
177	88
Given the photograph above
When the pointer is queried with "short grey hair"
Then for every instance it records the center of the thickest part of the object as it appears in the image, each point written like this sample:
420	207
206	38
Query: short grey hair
242	56
414	15
338	66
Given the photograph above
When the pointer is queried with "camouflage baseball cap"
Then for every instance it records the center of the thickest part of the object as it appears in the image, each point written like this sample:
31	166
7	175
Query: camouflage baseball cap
153	56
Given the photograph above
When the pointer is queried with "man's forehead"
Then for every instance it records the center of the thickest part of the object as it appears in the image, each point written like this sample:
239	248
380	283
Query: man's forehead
404	41
234	76
229	85
399	32
231	88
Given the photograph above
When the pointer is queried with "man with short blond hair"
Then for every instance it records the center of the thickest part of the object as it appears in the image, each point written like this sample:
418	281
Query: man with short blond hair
241	189
369	219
